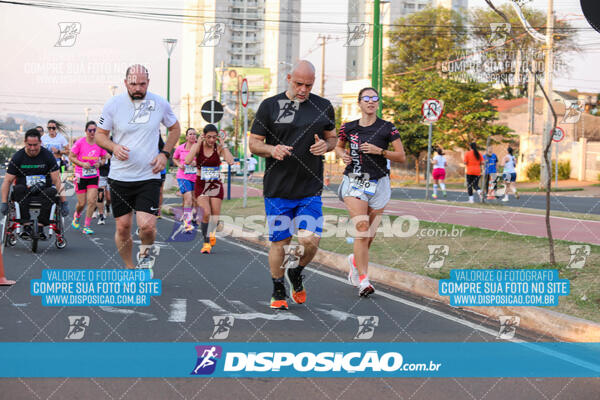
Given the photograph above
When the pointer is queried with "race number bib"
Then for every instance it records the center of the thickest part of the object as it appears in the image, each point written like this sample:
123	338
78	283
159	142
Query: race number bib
361	184
209	173
87	172
190	169
34	179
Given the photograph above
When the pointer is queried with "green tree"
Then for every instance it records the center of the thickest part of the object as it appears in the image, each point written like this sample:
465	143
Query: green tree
425	39
502	60
6	153
468	114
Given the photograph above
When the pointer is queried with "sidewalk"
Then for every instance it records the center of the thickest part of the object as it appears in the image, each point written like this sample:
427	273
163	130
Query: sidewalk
506	221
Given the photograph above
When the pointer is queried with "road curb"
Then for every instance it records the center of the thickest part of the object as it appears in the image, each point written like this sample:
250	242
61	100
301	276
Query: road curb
545	322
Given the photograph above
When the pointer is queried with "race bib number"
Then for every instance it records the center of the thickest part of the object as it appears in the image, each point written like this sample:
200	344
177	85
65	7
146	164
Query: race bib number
87	172
209	173
361	184
34	179
190	169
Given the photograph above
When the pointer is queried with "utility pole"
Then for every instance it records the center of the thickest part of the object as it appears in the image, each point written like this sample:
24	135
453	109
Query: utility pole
549	61
189	124
376	45
323	42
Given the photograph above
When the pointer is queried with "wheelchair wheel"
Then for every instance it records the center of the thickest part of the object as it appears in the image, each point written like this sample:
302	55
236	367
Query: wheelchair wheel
60	242
4	237
34	237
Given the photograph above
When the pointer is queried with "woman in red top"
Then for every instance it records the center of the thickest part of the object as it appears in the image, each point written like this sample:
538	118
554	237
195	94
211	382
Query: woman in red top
209	188
473	166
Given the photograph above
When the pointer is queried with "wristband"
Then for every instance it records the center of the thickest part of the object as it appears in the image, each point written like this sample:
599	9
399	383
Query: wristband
166	153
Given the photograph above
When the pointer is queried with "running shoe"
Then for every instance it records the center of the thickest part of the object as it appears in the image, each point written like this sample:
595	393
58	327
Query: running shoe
365	288
294	280
87	230
471	201
95	214
434	196
505	198
101	220
75	224
146	261
212	238
206	248
352	272
278	300
187	227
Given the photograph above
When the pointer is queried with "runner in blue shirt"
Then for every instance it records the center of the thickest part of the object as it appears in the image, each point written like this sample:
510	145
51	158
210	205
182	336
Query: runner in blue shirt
491	161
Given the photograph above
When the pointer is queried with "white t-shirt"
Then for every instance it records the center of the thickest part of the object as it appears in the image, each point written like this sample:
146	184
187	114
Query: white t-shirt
509	165
252	164
58	142
135	124
440	161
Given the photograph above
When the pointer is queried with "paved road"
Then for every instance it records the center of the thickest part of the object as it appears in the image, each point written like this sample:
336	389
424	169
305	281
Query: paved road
234	280
585	205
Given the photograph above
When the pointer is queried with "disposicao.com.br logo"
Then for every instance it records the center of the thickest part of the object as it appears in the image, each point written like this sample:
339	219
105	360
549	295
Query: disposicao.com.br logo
297	364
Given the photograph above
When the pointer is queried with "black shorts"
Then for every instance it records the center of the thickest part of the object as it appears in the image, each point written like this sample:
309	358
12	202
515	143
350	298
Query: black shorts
139	196
82	184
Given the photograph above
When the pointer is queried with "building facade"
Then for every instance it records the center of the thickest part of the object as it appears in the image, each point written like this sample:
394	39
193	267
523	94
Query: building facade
246	36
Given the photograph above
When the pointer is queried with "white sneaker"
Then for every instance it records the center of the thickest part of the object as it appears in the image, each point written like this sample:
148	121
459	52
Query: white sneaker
471	201
353	278
505	198
365	288
145	262
101	220
95	214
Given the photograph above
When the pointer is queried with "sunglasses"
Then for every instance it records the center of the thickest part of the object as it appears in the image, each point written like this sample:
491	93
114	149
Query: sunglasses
92	130
366	99
51	128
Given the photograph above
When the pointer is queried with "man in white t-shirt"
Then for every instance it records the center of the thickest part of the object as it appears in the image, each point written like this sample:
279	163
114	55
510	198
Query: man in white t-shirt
133	119
251	166
55	141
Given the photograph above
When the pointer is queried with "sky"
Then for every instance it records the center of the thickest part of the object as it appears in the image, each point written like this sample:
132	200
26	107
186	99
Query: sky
39	78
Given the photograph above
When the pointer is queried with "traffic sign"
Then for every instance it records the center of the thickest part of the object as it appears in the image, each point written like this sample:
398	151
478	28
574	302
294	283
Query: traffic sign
212	111
244	92
558	134
432	110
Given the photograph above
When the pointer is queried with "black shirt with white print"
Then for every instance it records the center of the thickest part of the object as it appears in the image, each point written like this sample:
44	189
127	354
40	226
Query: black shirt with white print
381	133
32	169
291	123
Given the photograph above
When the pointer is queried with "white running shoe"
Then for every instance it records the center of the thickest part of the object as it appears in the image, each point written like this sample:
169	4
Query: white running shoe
353	278
505	198
101	220
145	262
365	288
95	215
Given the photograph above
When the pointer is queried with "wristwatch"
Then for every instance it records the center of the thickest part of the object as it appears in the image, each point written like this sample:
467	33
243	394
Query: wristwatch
383	152
166	153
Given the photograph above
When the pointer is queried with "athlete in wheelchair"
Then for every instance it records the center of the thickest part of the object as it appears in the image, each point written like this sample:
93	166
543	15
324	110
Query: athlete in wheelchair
30	196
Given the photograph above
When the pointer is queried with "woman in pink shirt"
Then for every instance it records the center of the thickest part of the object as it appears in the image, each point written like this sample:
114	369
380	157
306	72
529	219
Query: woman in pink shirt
186	176
87	157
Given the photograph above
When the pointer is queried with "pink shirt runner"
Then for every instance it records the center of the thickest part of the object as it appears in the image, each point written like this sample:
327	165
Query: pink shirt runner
89	153
179	155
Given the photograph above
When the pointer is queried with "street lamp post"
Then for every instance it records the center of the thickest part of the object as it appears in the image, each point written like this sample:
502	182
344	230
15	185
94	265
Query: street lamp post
169	46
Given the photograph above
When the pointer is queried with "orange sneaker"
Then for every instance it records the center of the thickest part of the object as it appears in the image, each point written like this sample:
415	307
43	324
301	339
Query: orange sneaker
294	280
206	248
278	297
279	304
212	238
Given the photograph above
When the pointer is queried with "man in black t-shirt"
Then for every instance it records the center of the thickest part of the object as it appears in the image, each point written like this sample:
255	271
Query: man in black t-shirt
293	130
33	169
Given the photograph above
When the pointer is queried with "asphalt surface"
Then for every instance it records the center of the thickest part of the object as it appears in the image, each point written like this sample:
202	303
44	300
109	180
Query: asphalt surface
234	280
585	205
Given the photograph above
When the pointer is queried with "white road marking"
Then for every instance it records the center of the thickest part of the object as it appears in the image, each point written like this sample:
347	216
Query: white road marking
149	317
178	310
251	313
336	314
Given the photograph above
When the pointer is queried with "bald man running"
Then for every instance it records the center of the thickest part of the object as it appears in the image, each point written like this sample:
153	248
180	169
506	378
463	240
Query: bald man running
292	131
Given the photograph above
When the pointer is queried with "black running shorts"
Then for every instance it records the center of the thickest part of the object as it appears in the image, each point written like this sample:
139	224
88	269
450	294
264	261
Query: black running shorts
139	196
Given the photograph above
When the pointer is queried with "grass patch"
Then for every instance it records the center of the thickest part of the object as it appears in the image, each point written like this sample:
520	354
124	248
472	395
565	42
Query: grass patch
469	247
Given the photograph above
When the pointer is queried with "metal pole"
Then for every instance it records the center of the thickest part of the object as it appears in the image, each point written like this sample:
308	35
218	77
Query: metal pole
322	65
380	72
245	157
556	165
428	162
375	57
228	182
